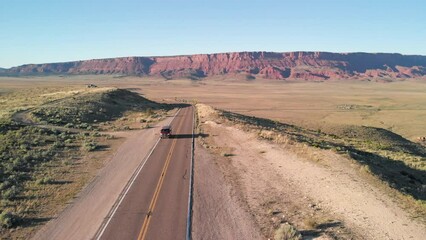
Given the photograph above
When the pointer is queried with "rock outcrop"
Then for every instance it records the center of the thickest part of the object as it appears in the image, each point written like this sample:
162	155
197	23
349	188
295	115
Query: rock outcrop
289	65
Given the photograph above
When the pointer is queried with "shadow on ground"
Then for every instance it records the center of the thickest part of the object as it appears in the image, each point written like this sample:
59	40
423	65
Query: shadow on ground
320	228
198	135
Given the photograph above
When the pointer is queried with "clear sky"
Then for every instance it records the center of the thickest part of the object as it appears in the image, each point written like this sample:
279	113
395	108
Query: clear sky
41	31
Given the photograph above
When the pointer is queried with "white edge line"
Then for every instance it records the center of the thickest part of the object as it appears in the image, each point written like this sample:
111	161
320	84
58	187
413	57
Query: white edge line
131	183
191	182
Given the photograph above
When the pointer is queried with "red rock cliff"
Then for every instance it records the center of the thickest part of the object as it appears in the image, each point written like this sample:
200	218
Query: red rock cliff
290	65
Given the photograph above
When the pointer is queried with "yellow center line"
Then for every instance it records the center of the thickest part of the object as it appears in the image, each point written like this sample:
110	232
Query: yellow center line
148	216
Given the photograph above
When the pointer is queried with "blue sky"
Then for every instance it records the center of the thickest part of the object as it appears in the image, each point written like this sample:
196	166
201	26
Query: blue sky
41	31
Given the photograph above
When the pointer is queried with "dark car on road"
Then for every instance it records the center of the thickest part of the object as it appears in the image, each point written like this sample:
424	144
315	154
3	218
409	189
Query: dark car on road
166	131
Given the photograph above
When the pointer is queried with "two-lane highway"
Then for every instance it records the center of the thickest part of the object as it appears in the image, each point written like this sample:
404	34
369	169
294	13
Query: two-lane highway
155	206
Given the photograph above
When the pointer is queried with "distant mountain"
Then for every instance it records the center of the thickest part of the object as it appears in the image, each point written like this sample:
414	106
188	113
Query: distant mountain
288	65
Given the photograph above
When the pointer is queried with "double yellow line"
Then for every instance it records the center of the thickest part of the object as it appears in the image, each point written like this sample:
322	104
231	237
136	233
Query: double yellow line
148	216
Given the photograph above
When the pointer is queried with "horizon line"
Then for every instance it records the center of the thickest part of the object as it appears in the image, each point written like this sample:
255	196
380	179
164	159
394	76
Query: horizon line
213	53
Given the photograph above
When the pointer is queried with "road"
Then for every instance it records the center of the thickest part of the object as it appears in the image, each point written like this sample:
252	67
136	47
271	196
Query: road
155	205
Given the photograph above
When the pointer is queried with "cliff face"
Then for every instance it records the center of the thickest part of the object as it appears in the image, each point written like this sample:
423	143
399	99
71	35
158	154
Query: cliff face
128	65
291	65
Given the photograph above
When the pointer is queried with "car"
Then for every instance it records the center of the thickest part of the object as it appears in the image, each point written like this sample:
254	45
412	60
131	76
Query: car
166	131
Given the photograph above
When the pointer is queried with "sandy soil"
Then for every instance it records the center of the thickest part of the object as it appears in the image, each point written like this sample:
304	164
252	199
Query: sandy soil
82	218
327	199
217	212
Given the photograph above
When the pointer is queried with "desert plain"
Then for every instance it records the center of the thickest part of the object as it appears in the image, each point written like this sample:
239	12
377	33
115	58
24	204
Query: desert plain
338	159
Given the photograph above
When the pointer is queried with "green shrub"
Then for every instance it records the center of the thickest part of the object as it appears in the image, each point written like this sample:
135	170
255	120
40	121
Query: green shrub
110	137
22	150
89	146
96	134
44	180
5	185
287	232
58	144
7	219
10	193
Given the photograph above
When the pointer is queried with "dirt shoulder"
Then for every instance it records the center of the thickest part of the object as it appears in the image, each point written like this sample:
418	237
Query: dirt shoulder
82	218
328	198
217	210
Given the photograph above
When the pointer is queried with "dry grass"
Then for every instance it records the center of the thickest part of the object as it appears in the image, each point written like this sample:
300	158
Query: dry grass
14	100
287	232
310	223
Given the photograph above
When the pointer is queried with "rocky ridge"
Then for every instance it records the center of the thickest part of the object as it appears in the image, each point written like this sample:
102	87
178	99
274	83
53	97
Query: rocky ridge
271	65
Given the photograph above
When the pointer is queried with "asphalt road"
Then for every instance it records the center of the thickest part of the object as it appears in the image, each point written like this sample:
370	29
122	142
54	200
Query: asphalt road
156	204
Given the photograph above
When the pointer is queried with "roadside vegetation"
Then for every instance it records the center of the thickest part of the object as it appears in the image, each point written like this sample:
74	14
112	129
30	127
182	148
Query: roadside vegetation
396	161
99	109
52	141
30	158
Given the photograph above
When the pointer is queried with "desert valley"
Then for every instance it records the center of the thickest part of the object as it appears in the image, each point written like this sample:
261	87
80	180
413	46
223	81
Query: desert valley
295	145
